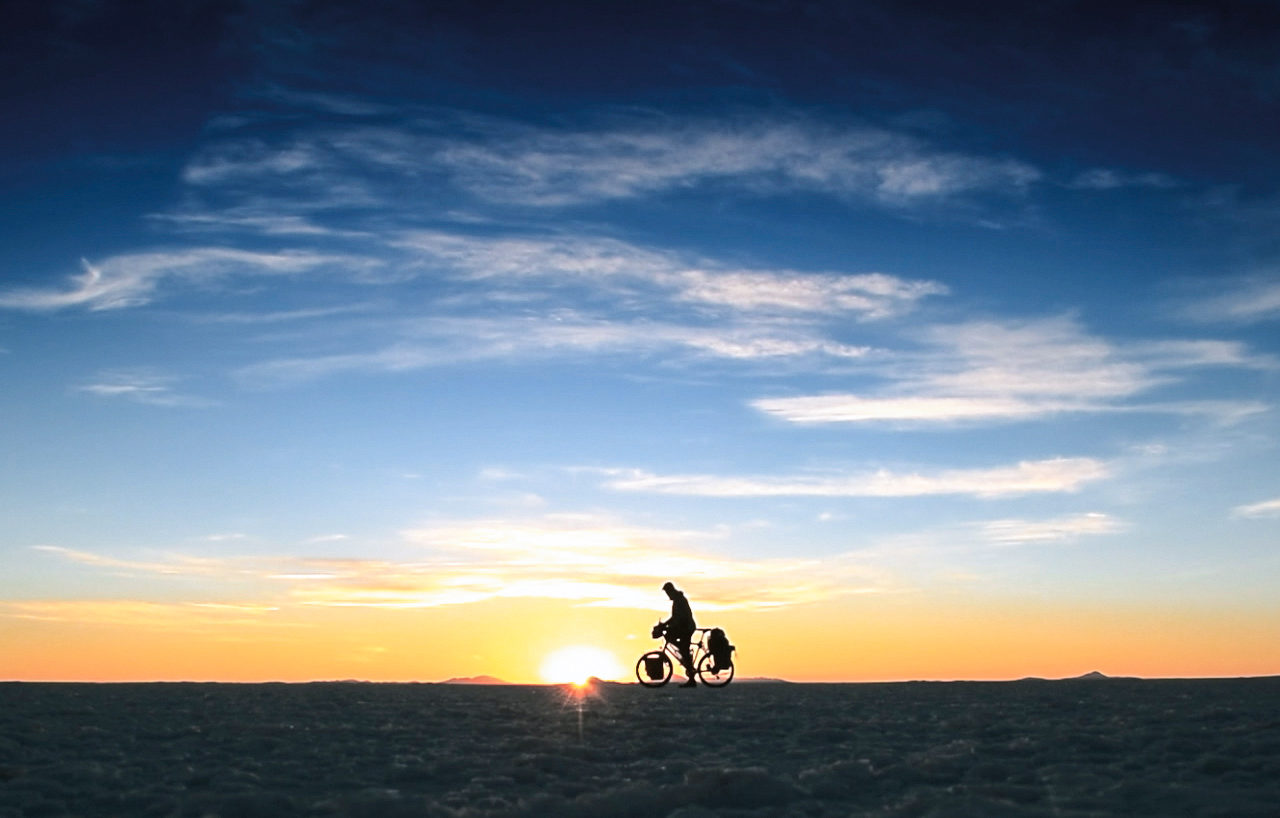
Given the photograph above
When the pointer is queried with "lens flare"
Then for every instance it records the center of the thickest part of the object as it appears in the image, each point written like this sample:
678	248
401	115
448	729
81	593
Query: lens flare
578	663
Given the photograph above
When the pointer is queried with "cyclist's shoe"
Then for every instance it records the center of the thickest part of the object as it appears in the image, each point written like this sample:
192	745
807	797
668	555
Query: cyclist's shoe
689	683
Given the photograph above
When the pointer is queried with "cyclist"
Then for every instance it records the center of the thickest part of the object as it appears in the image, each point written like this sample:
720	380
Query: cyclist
679	629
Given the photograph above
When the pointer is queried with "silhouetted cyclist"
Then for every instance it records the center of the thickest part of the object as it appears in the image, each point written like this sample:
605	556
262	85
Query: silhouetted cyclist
679	630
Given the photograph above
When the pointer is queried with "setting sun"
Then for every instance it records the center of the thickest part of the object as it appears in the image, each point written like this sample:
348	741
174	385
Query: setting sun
578	663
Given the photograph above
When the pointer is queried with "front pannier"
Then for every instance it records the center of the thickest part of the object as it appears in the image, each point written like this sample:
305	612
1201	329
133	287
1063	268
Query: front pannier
654	667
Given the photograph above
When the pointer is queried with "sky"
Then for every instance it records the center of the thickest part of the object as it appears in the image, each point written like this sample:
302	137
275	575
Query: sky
408	341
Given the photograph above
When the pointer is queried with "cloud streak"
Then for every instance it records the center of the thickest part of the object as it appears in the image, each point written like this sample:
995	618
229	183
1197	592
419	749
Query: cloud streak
1000	372
1242	301
212	619
506	162
140	386
1064	474
535	296
561	168
1055	530
585	560
595	562
451	340
132	279
1265	508
634	274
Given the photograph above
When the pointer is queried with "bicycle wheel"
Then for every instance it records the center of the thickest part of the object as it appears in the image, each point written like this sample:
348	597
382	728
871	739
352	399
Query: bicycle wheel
713	679
654	668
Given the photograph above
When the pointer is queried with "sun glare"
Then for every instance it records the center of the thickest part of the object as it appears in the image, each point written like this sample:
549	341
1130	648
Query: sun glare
578	663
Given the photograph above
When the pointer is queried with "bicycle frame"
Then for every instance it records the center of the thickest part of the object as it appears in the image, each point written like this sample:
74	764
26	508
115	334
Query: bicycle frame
697	648
669	654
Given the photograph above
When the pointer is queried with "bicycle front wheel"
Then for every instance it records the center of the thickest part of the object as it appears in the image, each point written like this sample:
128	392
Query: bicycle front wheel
654	668
710	679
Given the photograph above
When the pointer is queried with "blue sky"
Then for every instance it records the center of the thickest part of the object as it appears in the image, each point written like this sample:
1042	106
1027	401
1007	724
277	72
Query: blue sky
410	308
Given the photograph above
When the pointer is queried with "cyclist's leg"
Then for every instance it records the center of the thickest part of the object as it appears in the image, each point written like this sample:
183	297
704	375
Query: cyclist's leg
681	641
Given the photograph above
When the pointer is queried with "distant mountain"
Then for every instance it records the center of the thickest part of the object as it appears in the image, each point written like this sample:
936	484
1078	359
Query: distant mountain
761	679
1091	676
475	680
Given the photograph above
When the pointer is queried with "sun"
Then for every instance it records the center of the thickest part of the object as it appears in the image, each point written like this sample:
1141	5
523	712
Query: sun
577	663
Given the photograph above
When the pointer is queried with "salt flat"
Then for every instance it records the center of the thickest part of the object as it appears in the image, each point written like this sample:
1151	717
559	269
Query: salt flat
1031	748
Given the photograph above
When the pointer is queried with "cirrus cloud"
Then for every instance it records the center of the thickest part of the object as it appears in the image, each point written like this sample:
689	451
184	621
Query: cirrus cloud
1058	529
132	279
1004	371
1265	508
506	162
1063	474
1244	300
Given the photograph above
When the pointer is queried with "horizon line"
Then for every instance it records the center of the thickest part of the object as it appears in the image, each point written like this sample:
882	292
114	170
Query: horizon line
468	681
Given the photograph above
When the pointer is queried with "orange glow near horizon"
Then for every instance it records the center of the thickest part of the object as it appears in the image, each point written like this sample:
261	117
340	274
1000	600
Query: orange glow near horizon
531	641
576	664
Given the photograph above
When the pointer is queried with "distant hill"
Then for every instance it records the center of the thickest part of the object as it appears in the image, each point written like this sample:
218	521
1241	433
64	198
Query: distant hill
761	679
1091	676
475	680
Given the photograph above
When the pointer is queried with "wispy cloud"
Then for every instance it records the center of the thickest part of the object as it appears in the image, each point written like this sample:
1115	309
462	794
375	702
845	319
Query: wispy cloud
322	101
141	386
535	296
170	564
622	269
848	408
507	162
872	295
592	561
253	158
1111	179
583	559
1200	352
446	341
1242	300
210	618
989	371
1265	508
1052	358
1058	529
255	220
1065	474
543	167
284	316
132	279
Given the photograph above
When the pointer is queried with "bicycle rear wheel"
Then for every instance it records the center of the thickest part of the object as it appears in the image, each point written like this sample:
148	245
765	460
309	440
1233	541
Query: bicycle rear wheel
654	668
720	679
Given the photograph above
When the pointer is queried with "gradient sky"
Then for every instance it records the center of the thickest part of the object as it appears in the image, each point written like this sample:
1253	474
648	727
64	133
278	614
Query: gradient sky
393	342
